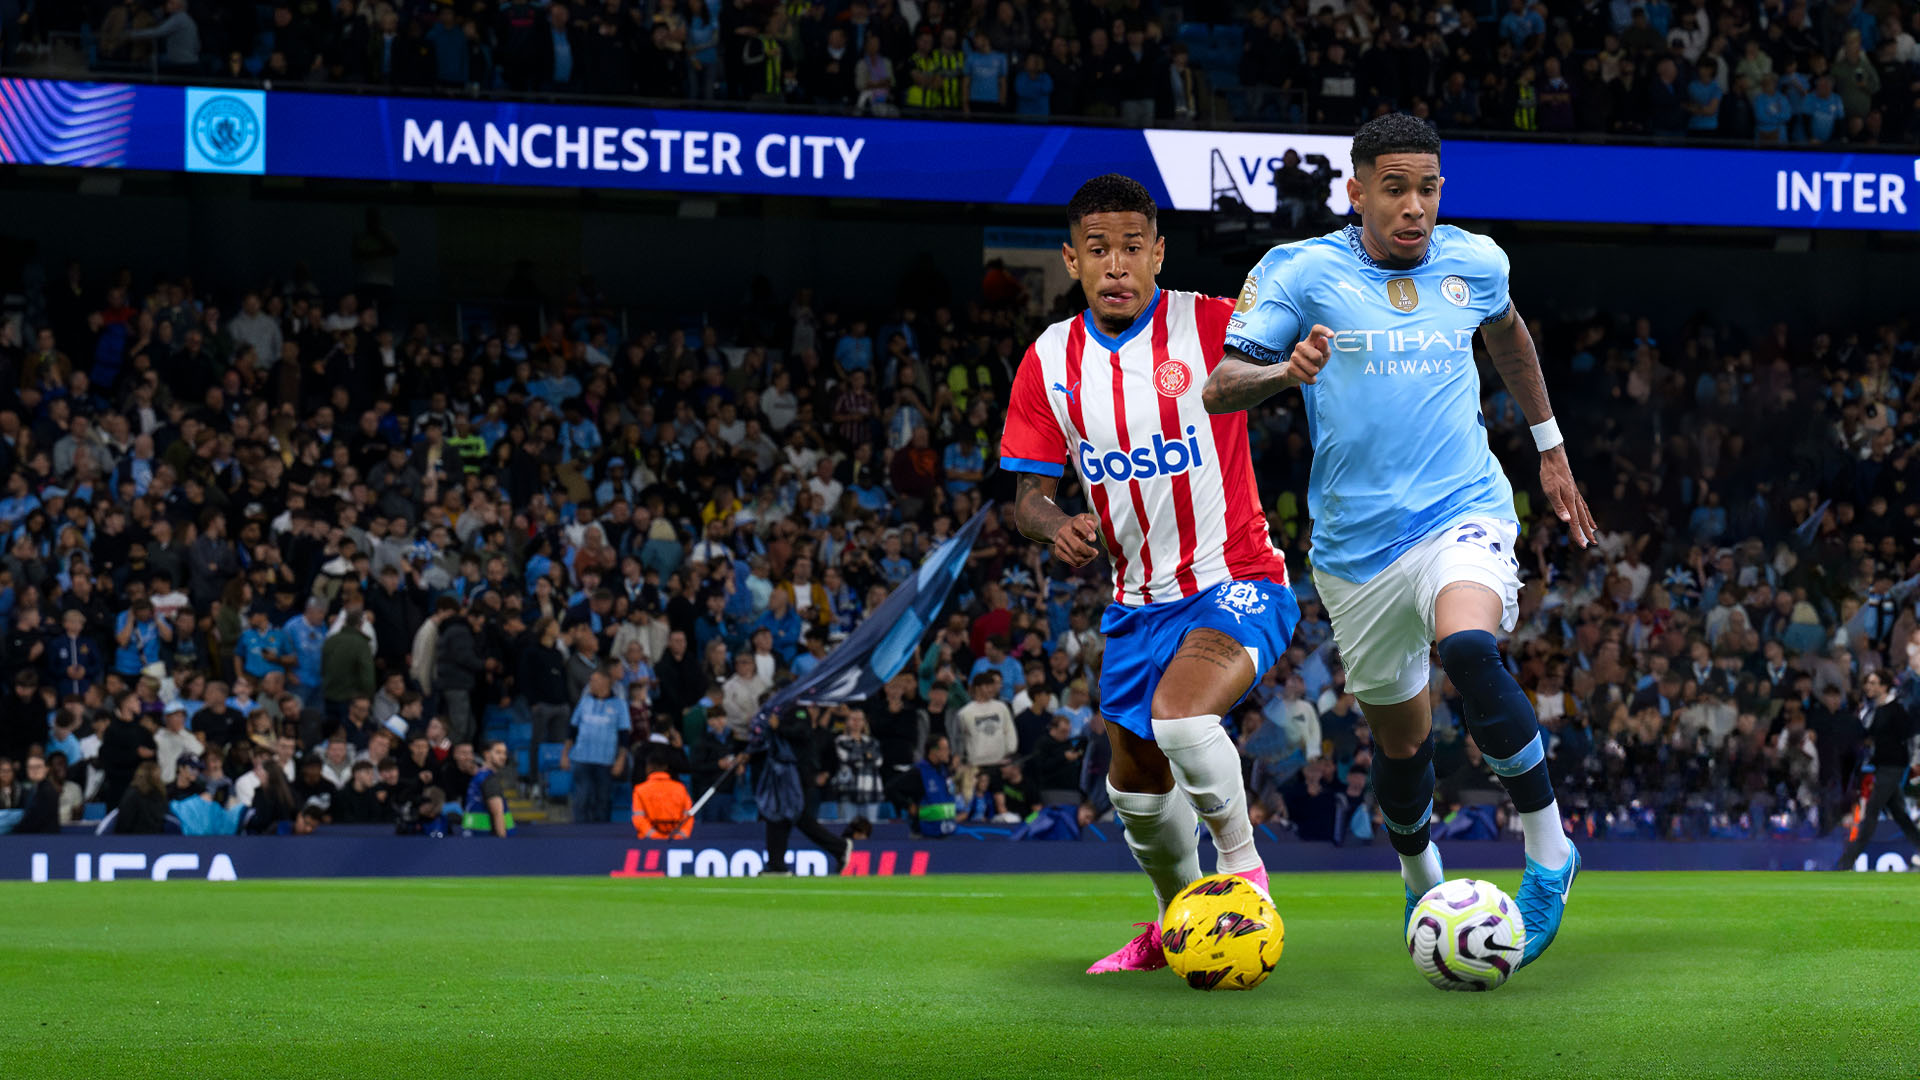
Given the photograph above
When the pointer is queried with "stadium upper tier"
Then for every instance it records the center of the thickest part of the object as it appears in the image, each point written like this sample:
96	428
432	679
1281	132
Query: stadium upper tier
1835	73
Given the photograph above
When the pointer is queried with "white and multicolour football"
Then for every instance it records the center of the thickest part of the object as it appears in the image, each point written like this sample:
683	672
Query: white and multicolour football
1466	935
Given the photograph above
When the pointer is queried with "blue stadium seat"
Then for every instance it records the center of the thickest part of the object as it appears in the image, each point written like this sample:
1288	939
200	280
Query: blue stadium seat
1195	34
1231	37
622	809
549	756
521	762
559	784
93	811
829	810
501	714
520	734
745	808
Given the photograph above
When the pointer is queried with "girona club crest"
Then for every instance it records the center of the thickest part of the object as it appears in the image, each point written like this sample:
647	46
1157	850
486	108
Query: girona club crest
1172	378
1240	598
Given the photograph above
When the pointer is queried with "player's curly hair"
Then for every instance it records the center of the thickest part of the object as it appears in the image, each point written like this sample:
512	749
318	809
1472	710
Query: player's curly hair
1393	133
1112	194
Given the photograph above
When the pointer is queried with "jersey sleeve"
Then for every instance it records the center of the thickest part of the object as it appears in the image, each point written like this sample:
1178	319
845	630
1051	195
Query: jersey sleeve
1492	283
1032	441
1265	323
1210	316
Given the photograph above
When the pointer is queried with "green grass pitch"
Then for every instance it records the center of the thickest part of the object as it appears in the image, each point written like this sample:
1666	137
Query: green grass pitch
1749	975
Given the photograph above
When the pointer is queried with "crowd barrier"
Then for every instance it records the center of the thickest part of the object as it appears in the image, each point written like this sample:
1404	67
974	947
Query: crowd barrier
739	851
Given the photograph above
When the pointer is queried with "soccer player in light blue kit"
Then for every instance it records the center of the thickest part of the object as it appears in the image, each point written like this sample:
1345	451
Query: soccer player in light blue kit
1413	522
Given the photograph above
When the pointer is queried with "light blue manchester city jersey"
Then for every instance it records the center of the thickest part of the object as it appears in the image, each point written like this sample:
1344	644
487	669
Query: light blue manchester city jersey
1400	448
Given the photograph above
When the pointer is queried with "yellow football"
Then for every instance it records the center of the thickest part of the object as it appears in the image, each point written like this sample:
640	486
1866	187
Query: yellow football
1221	933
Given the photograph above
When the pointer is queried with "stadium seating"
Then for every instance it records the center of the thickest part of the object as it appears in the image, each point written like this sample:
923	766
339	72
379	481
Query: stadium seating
556	782
1289	78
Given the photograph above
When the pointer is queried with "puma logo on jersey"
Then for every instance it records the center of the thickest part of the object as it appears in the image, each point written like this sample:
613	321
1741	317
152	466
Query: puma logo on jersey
1352	288
1062	387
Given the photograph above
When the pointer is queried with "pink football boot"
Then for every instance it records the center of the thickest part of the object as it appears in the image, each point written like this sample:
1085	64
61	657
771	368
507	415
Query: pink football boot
1141	954
1257	877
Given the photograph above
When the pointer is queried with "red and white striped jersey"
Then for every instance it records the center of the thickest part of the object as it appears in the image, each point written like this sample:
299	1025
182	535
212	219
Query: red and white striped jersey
1173	486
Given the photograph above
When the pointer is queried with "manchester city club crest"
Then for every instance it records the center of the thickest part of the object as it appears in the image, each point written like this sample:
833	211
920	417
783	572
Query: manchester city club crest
1172	378
1454	288
1240	599
225	130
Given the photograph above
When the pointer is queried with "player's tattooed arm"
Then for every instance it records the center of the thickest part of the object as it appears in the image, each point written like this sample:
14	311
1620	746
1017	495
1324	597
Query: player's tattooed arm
1035	513
1073	538
1510	346
1239	382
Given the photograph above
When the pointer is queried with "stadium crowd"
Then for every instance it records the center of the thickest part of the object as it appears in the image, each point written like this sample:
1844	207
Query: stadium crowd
1769	72
271	547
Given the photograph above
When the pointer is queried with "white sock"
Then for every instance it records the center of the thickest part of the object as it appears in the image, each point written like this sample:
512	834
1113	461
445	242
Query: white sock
1207	767
1546	838
1160	831
1421	872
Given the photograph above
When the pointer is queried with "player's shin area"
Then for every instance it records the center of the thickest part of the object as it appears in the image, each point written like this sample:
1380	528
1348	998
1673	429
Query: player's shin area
1467	615
1207	675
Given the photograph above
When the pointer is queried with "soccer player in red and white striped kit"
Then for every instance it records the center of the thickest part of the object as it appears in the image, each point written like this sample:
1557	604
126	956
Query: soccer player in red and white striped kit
1201	603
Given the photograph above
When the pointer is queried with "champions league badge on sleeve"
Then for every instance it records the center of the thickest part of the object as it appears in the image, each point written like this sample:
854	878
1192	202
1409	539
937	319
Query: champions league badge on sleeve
226	131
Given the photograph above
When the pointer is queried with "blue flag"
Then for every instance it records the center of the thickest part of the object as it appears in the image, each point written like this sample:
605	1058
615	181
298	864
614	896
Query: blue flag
884	641
1807	529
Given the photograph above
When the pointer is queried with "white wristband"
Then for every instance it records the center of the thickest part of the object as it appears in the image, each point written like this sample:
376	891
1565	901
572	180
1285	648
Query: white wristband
1546	435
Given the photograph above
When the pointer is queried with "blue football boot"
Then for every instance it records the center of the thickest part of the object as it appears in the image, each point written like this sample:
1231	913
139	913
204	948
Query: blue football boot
1543	899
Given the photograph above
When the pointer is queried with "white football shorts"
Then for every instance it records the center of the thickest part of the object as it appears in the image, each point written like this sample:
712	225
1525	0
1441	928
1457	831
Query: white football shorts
1384	628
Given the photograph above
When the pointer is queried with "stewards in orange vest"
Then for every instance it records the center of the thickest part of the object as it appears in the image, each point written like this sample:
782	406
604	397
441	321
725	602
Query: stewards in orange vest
661	804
